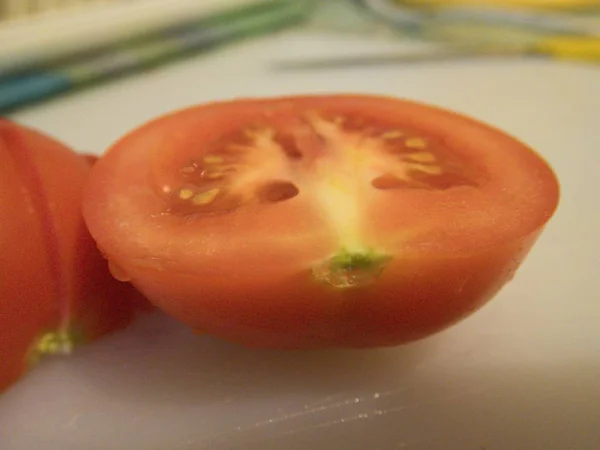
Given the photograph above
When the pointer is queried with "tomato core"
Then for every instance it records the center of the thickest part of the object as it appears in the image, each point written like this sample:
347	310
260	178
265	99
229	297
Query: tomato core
334	160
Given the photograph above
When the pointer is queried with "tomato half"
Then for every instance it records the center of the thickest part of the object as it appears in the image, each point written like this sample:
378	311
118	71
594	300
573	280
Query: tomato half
304	222
55	288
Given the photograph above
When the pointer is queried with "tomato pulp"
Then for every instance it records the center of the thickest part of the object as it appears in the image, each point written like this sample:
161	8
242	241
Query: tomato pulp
55	288
314	221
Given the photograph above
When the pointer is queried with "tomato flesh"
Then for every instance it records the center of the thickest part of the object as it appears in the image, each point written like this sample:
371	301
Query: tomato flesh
56	290
318	221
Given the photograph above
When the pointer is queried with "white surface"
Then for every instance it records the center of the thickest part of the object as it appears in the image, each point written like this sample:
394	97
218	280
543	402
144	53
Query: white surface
523	373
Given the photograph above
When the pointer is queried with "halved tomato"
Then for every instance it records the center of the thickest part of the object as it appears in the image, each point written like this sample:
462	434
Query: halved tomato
55	288
304	222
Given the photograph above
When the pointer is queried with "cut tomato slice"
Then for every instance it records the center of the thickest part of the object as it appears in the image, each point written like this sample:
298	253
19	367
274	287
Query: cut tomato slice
314	221
55	288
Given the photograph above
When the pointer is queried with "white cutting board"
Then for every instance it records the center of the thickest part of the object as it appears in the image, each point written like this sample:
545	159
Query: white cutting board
523	373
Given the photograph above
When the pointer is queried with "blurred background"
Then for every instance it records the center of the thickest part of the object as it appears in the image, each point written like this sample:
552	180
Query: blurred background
48	47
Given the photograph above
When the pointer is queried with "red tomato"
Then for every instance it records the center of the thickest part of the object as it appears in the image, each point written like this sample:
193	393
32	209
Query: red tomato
55	289
305	222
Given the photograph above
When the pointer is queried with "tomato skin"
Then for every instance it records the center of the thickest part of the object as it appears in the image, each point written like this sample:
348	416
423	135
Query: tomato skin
246	276
53	277
414	298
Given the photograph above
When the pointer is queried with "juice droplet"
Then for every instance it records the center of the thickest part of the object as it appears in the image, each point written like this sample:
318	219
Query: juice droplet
117	271
351	269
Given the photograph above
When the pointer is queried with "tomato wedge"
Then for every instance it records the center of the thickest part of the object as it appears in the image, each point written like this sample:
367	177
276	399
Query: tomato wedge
55	288
316	221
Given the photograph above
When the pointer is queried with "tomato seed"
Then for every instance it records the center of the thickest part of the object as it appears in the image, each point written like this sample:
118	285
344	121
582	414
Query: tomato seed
213	159
186	194
431	170
415	143
392	134
188	170
213	175
204	198
422	157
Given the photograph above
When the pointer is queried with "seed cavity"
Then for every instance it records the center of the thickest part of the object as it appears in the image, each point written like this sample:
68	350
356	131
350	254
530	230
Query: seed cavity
389	181
257	163
277	191
287	144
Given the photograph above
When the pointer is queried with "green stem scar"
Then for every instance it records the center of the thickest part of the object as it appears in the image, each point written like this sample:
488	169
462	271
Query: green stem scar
349	269
53	343
340	184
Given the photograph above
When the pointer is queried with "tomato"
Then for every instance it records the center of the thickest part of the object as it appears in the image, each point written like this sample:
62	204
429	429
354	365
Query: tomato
55	288
318	221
